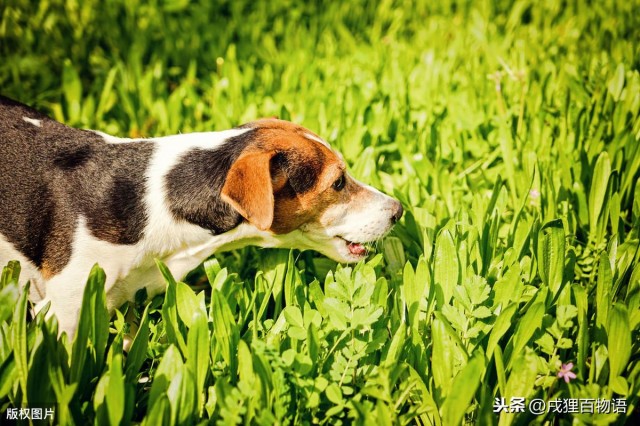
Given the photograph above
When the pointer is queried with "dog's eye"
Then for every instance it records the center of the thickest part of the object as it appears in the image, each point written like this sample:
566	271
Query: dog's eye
339	183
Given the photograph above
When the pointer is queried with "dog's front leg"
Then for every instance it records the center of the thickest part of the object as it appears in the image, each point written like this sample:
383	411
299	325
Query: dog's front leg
65	292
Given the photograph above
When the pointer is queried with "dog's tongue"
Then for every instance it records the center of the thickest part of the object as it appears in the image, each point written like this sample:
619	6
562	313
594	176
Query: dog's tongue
356	248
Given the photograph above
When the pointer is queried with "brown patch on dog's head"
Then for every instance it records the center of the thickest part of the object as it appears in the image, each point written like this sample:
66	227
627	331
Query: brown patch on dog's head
283	178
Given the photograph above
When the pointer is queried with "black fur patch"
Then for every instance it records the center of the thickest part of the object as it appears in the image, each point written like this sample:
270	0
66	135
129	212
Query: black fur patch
117	212
195	183
51	174
71	158
303	172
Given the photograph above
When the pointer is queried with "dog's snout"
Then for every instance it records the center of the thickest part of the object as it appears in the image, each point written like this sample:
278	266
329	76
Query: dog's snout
397	211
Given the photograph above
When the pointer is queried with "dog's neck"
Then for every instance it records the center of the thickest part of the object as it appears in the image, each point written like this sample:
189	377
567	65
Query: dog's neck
184	178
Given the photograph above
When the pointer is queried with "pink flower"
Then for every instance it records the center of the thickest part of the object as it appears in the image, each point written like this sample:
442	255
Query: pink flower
566	373
534	198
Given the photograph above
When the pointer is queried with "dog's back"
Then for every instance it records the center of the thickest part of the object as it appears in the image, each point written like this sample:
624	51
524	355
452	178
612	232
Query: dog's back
50	175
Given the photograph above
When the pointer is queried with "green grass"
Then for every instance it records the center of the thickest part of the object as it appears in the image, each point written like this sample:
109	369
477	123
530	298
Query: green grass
509	131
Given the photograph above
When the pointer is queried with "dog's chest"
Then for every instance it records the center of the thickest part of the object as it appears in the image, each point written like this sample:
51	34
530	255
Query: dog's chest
180	259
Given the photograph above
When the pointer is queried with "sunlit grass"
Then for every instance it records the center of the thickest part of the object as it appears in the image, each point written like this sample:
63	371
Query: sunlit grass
509	131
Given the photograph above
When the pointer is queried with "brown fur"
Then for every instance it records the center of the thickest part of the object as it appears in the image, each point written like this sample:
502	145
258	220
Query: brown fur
249	190
272	201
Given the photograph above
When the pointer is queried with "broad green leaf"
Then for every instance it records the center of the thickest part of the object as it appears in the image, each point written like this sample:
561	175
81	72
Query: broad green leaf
292	282
170	365
551	254
565	315
580	296
521	382
619	340
72	90
293	316
109	401
182	397
614	212
616	83
528	324
138	352
8	373
442	357
198	348
274	267
171	320
334	394
63	392
160	414
412	291
245	363
500	371
509	288
464	386
225	330
317	297
445	267
603	290
38	344
337	311
394	255
395	347
313	343
187	304
92	332
19	341
10	274
502	324
99	401
107	96
619	385
598	190
212	269
220	279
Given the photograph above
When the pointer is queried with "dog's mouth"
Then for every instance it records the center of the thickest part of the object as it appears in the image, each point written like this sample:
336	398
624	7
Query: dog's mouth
356	249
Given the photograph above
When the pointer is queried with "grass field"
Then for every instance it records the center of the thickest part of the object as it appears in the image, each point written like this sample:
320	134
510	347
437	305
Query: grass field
510	131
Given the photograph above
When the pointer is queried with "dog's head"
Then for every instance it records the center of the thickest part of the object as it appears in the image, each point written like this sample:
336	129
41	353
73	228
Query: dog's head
290	182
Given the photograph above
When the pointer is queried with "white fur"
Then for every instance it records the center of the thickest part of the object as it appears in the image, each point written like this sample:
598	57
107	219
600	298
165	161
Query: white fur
111	139
354	222
186	258
66	289
35	122
131	268
317	139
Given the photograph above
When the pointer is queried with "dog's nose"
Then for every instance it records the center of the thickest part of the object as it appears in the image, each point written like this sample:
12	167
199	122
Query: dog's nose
397	212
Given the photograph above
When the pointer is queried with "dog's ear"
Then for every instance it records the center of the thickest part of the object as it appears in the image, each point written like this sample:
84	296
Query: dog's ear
249	190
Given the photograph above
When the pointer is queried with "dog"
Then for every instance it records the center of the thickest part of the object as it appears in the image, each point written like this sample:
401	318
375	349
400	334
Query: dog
70	198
